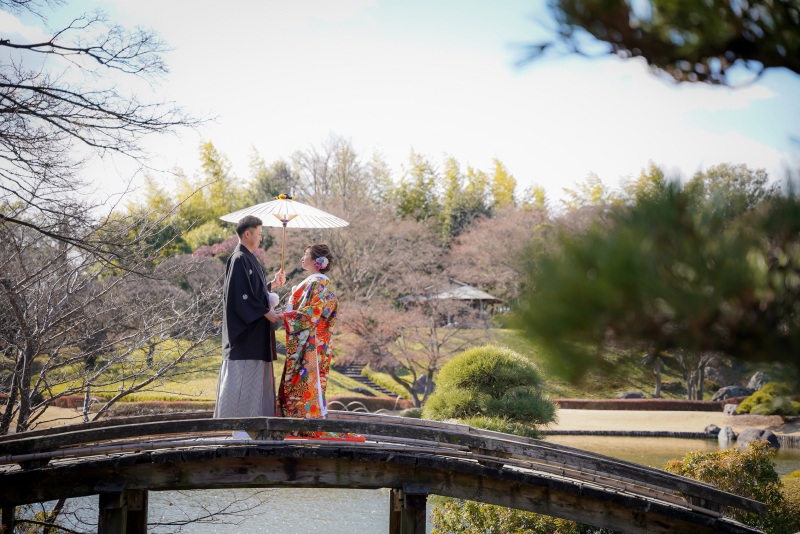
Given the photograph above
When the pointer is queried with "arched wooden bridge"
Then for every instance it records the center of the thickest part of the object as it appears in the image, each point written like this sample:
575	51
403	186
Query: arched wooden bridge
123	459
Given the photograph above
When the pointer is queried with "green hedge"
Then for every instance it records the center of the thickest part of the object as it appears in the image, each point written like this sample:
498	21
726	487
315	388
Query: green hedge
385	381
773	399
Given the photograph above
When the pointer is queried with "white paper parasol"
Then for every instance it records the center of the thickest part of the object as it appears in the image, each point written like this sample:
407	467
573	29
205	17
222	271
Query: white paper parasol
285	212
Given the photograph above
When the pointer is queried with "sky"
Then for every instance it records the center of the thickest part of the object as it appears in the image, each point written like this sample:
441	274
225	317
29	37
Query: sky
442	78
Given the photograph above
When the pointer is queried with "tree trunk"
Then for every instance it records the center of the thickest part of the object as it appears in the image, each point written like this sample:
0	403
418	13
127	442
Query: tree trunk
657	366
20	392
25	389
8	414
86	403
410	388
151	350
692	386
428	385
5	420
701	378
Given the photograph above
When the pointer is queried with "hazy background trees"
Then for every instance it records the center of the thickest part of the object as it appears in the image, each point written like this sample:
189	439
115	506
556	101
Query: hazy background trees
694	270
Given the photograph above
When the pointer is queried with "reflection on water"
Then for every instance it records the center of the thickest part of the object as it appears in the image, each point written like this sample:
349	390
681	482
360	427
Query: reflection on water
284	511
251	511
656	452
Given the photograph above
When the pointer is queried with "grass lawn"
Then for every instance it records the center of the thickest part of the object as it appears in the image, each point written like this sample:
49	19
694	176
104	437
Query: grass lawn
197	379
201	385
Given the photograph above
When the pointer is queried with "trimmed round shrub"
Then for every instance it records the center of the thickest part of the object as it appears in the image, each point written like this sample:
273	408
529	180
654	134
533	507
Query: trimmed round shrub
489	369
491	387
525	405
455	403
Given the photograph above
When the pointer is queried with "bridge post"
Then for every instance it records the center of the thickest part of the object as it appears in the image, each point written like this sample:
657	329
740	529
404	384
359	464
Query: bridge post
123	512
113	513
9	519
137	511
407	510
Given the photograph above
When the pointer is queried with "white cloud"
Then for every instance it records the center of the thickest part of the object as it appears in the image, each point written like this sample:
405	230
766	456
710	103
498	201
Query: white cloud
12	26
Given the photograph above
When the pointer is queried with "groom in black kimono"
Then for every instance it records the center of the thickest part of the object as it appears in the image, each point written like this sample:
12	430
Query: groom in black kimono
246	385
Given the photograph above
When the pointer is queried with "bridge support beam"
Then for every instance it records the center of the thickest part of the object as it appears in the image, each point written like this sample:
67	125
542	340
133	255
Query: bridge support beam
123	512
407	511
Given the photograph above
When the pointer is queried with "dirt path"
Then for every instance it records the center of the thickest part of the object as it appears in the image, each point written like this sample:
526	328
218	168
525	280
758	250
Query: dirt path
55	416
668	421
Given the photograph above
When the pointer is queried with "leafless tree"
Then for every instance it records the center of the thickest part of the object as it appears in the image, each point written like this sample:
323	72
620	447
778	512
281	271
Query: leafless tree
410	339
61	106
693	366
73	325
491	253
335	171
377	252
81	305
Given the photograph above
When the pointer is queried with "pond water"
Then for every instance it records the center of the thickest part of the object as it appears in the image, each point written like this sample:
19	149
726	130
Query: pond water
656	452
345	511
251	511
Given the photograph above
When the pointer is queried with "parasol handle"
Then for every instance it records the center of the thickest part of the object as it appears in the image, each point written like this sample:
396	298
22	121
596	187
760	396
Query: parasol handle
283	245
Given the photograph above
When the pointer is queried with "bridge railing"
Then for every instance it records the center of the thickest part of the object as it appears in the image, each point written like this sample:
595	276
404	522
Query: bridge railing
36	448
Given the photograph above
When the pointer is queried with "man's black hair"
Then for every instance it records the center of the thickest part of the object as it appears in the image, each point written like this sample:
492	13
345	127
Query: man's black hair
247	223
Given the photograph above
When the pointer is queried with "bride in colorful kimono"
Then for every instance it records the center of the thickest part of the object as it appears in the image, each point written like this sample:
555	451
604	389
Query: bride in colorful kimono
309	318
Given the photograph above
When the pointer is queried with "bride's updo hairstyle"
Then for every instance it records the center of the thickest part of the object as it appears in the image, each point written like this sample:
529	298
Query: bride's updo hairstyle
320	251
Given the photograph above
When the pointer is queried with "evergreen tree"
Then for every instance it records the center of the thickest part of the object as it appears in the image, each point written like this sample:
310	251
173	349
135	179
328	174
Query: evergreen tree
270	181
504	186
213	194
417	195
673	274
689	41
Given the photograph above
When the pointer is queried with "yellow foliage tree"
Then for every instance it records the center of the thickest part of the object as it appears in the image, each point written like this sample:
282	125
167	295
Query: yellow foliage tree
503	186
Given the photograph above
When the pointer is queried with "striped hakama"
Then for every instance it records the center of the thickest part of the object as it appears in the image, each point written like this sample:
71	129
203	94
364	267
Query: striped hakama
246	388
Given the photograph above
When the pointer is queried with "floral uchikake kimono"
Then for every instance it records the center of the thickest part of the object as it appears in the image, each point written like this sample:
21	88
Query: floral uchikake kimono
309	319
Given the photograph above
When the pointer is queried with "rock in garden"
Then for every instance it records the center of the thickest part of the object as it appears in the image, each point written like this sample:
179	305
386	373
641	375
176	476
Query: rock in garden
726	436
712	430
729	392
757	381
630	395
730	409
752	434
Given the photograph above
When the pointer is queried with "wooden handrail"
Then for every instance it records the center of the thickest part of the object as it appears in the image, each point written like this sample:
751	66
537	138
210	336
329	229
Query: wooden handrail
484	442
